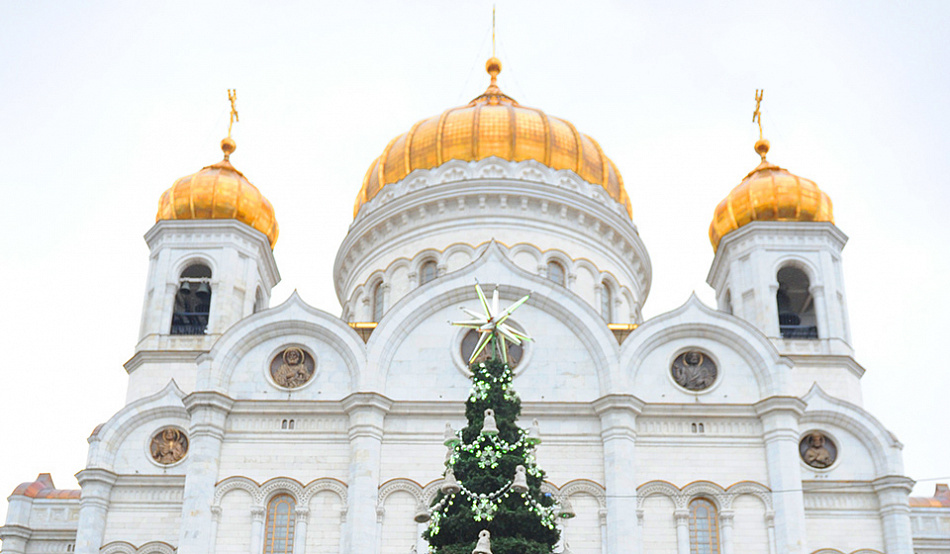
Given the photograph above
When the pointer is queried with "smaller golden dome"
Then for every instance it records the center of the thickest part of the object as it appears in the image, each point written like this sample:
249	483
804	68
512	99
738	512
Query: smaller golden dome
219	191
769	193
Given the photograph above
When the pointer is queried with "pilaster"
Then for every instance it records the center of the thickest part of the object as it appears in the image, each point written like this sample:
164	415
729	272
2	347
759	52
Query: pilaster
618	430
209	413
780	416
96	487
892	494
367	412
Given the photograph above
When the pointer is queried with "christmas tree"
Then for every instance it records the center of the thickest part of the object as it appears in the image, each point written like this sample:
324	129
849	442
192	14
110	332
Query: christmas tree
492	480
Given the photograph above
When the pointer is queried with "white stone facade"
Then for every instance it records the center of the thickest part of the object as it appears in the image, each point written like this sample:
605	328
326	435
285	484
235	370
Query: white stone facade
360	444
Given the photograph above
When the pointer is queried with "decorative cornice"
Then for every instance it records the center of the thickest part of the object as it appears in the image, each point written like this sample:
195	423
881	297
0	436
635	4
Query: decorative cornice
778	404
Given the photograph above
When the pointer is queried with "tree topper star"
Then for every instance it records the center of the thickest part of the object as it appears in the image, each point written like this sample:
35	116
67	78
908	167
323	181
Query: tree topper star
491	325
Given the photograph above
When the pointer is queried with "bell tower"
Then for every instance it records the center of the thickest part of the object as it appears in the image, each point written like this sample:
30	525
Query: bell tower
778	259
211	265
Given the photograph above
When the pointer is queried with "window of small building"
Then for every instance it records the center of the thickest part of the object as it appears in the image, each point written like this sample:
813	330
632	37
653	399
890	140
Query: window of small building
428	272
703	527
796	308
606	301
192	301
279	530
378	301
556	272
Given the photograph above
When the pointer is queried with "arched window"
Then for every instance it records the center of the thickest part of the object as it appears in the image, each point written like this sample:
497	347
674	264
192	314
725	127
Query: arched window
606	300
378	301
192	301
703	527
556	272
796	310
428	272
279	531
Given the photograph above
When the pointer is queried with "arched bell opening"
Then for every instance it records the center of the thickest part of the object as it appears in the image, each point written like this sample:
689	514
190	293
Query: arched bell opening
796	307
192	301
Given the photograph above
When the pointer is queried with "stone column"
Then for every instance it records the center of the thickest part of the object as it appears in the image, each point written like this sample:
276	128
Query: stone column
726	520
892	492
780	415
367	411
257	529
93	507
682	531
209	412
300	530
618	430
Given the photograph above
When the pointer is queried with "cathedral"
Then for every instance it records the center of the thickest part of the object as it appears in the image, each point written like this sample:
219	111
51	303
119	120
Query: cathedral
256	428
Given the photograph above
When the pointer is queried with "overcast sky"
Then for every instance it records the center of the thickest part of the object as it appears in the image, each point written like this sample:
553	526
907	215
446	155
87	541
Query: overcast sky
103	105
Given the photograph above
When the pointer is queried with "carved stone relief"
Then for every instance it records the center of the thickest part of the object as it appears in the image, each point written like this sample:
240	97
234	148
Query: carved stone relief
694	371
169	446
292	368
817	450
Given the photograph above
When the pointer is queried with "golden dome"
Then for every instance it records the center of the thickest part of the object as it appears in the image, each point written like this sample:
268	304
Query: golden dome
492	124
769	193
219	192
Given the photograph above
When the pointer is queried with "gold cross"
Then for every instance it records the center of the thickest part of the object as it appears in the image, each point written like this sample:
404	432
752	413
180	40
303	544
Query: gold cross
757	115
493	30
232	96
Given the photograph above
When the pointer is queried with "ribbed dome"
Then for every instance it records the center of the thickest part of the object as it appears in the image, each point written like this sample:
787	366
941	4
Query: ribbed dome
769	193
493	124
219	191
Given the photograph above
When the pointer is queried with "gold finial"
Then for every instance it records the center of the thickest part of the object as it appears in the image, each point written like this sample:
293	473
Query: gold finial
228	146
493	65
761	145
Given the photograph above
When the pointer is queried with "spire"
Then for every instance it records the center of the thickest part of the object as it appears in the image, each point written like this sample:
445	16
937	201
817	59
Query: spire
761	145
228	146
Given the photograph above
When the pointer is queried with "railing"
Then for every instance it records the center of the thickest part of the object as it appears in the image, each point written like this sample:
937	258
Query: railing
799	331
189	323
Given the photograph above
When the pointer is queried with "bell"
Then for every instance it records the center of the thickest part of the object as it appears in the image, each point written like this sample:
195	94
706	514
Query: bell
422	513
520	484
534	433
566	509
566	549
450	438
450	485
203	292
484	543
489	427
185	288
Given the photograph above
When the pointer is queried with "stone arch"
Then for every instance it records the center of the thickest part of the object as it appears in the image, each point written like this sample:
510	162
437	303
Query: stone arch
694	319
324	484
828	551
751	488
399	485
456	288
156	547
109	437
662	488
281	485
708	490
585	486
292	316
187	259
798	262
883	446
118	547
236	483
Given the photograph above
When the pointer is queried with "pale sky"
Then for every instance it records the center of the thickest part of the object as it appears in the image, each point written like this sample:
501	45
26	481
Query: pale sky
103	105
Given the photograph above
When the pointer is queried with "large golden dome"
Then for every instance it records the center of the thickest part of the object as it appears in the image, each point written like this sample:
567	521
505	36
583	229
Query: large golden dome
493	124
219	191
769	193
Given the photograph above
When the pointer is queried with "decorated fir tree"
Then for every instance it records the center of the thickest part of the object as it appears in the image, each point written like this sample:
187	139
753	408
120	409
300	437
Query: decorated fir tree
492	480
